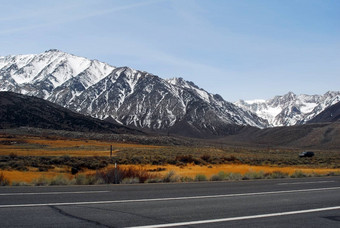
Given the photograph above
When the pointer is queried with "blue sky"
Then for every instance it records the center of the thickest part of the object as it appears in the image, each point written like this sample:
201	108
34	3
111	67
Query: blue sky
245	49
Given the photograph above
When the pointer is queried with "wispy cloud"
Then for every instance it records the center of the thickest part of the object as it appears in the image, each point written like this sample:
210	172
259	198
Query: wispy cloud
67	19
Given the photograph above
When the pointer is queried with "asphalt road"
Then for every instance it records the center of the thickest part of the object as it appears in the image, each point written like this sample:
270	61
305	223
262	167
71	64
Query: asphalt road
311	202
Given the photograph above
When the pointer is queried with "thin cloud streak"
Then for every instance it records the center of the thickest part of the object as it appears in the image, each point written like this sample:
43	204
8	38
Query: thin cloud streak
72	19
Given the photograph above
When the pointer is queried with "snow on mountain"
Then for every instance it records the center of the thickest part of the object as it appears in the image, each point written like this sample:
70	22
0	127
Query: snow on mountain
143	100
43	74
290	109
128	96
38	75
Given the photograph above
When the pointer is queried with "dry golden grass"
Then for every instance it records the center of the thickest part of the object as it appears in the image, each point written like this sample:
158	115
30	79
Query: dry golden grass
27	176
186	171
35	146
192	170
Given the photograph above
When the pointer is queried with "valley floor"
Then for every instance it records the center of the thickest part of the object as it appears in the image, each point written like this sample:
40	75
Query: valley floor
44	160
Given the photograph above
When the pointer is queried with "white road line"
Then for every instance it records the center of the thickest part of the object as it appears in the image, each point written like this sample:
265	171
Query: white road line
165	199
48	193
239	218
311	182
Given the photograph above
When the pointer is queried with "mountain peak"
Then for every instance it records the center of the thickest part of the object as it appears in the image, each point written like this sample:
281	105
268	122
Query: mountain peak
52	50
290	109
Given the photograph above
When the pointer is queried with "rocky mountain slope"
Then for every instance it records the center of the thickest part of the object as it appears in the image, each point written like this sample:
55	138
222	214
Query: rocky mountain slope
17	110
330	114
322	136
122	95
290	109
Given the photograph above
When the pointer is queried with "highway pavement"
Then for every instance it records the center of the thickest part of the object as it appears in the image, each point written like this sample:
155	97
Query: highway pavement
307	202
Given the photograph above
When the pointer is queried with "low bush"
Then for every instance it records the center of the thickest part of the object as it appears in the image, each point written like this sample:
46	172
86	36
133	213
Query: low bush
41	181
200	177
134	180
171	177
278	174
219	177
116	175
60	180
3	180
298	174
20	183
186	179
81	179
253	175
222	176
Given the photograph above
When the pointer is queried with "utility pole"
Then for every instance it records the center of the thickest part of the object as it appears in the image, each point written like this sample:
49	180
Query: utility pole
111	151
116	174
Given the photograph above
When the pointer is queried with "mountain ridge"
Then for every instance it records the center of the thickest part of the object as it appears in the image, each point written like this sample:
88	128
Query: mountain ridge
140	99
290	109
131	97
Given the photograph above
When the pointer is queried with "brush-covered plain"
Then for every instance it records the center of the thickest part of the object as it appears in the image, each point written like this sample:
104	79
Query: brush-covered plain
25	159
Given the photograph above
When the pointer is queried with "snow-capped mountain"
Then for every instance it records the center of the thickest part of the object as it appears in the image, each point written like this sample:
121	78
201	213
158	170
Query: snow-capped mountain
121	94
290	109
40	75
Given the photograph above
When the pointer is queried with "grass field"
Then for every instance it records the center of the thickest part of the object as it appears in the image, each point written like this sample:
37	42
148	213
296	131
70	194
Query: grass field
37	146
27	158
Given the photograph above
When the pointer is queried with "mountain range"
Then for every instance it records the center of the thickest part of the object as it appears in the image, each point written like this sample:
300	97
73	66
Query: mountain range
290	109
124	96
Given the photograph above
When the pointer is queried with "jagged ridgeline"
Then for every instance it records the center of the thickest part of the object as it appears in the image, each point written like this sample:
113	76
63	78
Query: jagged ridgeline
123	95
140	99
290	109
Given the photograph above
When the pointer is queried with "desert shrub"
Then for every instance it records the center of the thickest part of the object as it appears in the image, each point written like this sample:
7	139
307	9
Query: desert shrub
3	180
219	177
171	177
13	155
18	165
234	176
116	175
93	179
253	175
41	181
185	159
134	180
132	172
298	174
20	183
159	169
206	157
200	177
231	159
314	174
109	176
80	179
74	170
333	174
278	174
154	180
43	168
186	179
60	180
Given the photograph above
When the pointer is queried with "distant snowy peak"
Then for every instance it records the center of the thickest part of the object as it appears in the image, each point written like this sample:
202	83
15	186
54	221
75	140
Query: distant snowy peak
48	71
290	109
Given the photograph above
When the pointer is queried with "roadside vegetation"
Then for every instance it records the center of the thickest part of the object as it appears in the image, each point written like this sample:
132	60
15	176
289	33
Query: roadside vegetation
58	161
135	175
